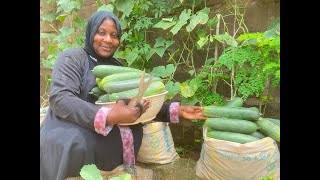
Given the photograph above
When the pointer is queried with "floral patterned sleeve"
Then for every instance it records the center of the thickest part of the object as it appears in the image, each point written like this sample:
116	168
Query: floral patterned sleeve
100	121
174	115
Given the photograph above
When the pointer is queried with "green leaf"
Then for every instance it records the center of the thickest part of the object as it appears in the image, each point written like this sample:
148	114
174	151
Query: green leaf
170	69
49	17
202	41
191	72
183	18
160	51
162	71
199	18
105	7
125	6
131	57
61	17
150	54
189	101
164	24
212	22
167	19
187	90
172	88
68	6
159	42
90	172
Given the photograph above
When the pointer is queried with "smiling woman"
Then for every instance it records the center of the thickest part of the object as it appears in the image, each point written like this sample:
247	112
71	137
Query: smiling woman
106	40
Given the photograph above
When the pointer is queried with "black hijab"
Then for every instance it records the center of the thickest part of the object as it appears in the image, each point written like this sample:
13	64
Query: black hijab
92	27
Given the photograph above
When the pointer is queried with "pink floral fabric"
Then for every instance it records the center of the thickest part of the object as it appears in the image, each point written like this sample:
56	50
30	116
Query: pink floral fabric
127	144
100	121
174	115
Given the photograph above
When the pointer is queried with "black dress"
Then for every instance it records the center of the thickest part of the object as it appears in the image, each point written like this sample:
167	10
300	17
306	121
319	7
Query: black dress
67	138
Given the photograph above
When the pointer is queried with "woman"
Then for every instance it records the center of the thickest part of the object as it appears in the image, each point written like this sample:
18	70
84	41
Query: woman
77	132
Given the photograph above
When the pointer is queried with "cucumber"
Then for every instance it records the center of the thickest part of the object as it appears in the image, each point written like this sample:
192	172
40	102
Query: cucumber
231	125
98	80
258	134
104	98
120	76
101	71
244	113
231	136
97	92
275	121
119	86
235	102
268	128
156	87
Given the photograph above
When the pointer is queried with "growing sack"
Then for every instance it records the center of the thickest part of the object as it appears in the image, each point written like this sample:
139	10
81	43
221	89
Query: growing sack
157	144
220	160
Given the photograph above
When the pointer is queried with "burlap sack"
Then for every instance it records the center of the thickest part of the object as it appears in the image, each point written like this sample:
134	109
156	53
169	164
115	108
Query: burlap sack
157	144
222	160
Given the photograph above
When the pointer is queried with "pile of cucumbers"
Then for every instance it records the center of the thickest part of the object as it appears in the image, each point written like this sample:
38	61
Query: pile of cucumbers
233	122
115	82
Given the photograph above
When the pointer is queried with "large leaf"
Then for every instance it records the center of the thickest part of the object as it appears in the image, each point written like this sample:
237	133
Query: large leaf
199	18
164	24
183	18
68	6
105	7
164	71
132	56
172	88
125	6
187	90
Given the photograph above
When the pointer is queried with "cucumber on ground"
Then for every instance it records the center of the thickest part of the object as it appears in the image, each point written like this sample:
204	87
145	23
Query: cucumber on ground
120	77
231	125
155	87
275	121
231	136
97	92
258	134
124	85
268	128
235	102
245	113
101	71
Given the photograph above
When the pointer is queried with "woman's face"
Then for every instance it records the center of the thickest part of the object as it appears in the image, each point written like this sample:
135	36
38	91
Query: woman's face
106	41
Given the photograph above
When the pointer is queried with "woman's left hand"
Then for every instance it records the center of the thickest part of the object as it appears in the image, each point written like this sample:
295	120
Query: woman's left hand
191	112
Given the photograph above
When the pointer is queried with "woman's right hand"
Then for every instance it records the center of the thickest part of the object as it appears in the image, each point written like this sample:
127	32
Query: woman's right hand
121	113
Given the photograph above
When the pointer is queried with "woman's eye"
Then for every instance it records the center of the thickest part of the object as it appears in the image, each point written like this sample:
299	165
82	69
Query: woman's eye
114	35
101	33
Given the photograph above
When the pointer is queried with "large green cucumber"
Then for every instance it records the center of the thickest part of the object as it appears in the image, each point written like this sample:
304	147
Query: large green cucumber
97	92
275	121
101	71
235	102
103	99
268	128
245	113
231	125
155	87
124	85
258	134
120	77
231	136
